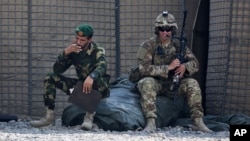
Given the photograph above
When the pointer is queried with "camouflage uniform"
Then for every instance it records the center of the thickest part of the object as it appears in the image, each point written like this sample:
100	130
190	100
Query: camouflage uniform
86	62
90	64
154	73
153	60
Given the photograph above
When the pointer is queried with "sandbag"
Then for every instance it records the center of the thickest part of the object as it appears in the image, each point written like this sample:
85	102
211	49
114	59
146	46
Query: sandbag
122	111
7	118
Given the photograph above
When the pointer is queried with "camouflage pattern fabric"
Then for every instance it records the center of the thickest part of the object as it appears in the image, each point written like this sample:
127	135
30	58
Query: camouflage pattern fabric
86	62
153	60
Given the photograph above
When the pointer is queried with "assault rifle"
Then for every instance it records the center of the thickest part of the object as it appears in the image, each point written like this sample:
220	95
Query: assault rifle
180	55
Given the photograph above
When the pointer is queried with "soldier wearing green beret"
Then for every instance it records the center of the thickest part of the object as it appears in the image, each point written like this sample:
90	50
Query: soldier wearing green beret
88	59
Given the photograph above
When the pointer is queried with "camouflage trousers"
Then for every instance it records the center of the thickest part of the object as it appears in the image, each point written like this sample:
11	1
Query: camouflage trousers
51	82
150	87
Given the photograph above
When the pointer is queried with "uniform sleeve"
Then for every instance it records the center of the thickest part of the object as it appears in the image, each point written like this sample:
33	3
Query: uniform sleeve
62	63
146	67
100	63
192	64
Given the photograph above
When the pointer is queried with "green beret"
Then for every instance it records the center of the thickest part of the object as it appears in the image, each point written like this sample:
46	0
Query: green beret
84	30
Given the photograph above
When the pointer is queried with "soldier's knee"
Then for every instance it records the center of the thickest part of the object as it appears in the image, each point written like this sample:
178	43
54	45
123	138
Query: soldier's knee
190	85
190	82
148	86
147	82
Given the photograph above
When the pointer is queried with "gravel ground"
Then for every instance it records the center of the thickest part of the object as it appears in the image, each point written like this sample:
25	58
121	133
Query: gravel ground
22	131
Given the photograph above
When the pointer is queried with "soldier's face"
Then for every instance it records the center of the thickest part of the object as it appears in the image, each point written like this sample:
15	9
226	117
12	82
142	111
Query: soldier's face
82	41
165	33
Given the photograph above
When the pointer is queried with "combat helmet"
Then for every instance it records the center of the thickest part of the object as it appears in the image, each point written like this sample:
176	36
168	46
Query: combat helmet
165	19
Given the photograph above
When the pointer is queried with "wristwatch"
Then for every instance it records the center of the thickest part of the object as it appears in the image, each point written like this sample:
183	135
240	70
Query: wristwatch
92	75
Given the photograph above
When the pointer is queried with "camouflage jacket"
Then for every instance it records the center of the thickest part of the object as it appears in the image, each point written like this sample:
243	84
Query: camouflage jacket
154	58
91	61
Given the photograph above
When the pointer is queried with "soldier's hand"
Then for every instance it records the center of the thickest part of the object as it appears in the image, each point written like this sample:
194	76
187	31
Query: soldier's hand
72	48
174	64
87	84
180	70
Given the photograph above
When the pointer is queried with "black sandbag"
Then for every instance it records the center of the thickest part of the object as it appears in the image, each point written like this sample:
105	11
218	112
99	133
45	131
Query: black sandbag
122	111
232	119
7	118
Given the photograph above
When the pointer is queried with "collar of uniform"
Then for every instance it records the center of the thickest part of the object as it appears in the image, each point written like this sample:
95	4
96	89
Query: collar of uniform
165	45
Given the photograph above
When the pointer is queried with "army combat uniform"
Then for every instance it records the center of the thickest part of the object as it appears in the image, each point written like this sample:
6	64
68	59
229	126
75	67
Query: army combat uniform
153	60
88	63
156	79
92	61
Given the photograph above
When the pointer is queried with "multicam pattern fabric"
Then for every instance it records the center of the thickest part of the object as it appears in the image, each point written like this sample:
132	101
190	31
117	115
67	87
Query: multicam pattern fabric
91	61
153	60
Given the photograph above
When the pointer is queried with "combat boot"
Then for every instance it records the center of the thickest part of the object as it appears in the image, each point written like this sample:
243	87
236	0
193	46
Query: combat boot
200	125
49	119
88	121
150	127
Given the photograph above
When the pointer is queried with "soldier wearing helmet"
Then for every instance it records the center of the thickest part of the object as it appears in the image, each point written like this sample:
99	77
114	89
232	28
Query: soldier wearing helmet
89	61
157	63
165	19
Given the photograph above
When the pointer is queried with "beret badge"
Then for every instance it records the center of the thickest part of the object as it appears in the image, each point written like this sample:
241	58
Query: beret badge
80	33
